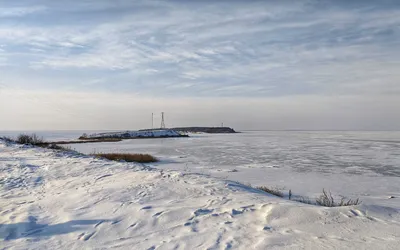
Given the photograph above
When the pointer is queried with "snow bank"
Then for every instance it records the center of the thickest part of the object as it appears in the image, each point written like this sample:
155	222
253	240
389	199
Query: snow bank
53	200
137	134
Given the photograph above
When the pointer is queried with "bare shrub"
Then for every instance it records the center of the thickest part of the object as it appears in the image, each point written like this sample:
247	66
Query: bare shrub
141	158
326	199
29	139
273	191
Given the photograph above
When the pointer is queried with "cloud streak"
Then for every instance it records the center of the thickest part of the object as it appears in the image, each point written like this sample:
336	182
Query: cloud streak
20	11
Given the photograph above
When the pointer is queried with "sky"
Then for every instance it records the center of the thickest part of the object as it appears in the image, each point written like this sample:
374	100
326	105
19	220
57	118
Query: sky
273	65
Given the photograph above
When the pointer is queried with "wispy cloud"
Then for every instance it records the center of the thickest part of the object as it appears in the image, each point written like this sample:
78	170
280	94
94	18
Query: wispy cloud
19	11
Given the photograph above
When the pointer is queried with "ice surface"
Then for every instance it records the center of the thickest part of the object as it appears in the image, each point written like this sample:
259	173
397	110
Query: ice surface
340	152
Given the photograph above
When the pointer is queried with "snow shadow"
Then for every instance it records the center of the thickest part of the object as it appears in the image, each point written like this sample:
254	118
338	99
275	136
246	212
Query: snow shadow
32	229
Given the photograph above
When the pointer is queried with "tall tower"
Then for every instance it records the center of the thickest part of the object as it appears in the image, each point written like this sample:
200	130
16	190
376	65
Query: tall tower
162	120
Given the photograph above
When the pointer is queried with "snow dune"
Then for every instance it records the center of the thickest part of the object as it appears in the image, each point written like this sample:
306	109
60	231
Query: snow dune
54	200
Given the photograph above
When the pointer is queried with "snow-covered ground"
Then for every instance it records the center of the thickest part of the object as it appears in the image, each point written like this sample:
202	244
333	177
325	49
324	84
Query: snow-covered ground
53	200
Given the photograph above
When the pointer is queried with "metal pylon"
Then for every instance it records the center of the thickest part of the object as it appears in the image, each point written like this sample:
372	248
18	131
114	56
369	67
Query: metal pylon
162	120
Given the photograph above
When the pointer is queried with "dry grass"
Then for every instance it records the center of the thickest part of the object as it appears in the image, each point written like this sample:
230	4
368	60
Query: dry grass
57	147
141	158
273	191
327	200
303	199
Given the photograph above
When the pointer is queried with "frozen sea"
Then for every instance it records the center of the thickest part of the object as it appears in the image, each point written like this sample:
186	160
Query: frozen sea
352	164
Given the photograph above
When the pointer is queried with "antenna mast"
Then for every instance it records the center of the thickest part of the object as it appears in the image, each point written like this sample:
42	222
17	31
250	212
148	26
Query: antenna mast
162	120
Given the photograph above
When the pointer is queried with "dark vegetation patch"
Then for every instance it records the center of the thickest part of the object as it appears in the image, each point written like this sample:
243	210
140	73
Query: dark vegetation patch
82	140
141	158
273	191
34	140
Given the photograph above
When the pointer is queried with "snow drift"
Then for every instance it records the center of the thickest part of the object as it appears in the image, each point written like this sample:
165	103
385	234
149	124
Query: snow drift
55	200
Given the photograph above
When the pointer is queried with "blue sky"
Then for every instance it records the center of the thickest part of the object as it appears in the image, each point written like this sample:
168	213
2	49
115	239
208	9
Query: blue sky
251	64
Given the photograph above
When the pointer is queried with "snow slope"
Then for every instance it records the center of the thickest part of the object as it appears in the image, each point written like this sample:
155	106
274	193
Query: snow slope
54	200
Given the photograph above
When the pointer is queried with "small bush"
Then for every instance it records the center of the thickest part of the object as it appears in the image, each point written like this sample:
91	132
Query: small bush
141	158
29	139
84	136
273	191
327	200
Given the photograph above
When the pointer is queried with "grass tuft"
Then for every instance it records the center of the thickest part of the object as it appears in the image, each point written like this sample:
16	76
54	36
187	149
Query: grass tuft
141	158
327	200
273	191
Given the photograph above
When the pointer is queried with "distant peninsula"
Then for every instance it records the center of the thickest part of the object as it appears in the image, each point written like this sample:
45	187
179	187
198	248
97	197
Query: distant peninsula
141	134
209	130
153	133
